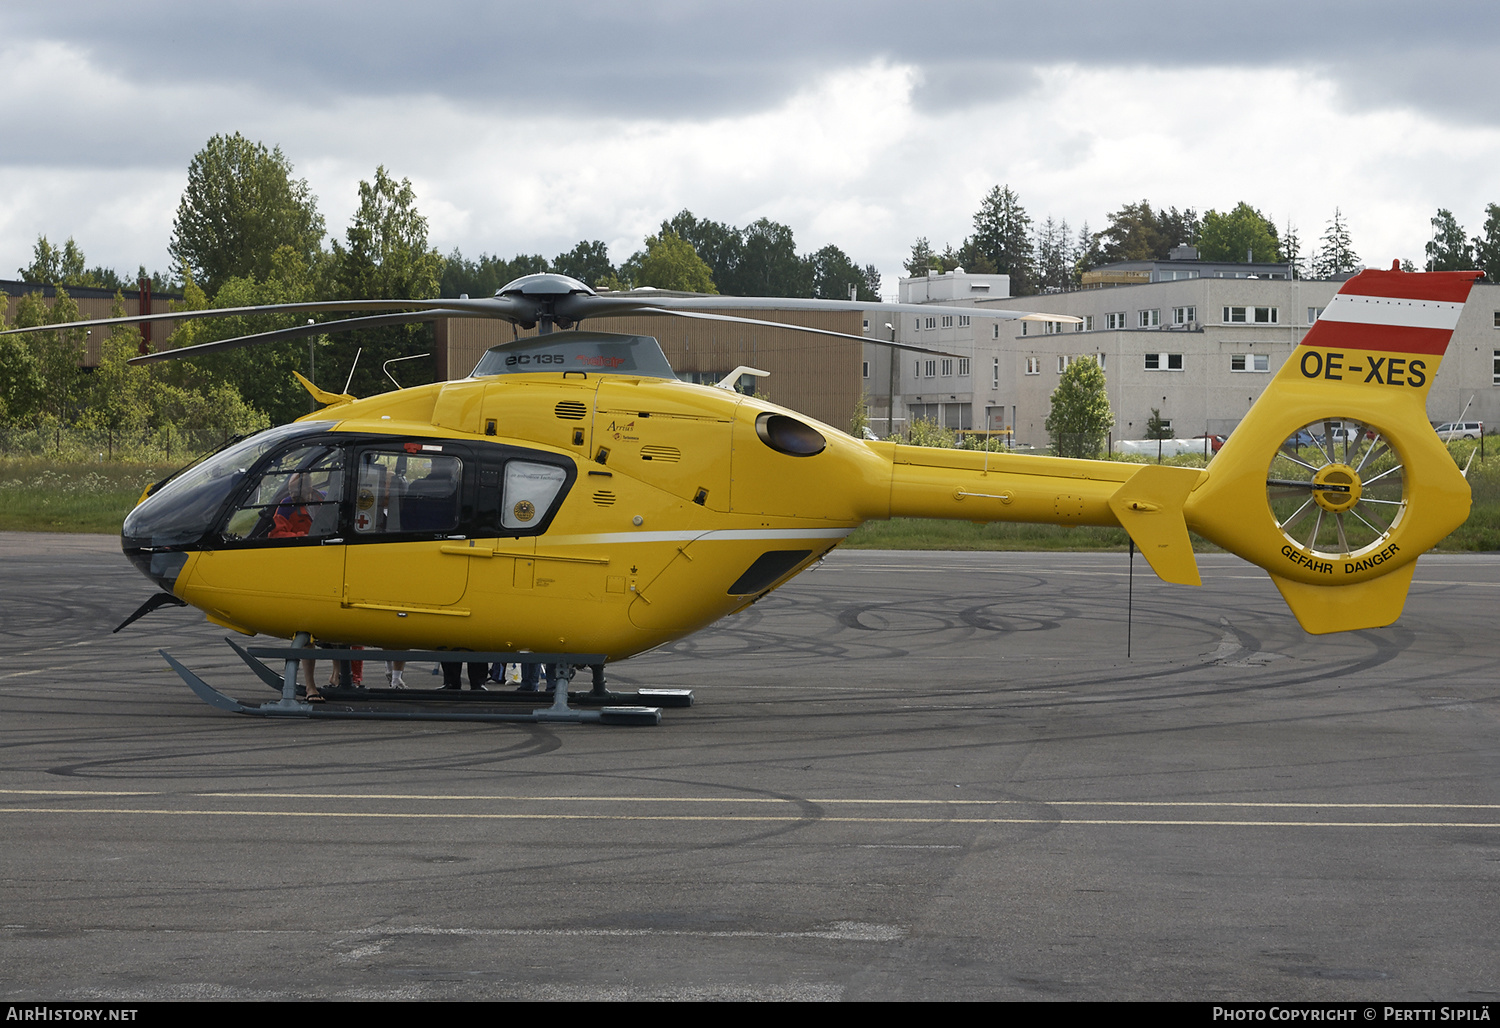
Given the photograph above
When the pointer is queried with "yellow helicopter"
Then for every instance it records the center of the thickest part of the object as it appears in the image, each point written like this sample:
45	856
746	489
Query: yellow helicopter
573	503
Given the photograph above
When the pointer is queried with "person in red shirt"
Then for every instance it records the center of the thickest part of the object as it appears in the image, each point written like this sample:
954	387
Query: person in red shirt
292	518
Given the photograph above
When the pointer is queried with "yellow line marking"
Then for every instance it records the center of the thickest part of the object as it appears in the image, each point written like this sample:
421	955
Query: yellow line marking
751	818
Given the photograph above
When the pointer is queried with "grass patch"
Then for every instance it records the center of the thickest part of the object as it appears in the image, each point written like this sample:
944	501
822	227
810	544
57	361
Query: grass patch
38	494
925	534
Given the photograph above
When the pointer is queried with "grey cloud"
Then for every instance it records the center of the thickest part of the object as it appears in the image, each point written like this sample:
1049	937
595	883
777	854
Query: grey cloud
673	60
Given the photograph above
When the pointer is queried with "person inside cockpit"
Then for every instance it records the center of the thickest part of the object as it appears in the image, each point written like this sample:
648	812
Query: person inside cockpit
292	517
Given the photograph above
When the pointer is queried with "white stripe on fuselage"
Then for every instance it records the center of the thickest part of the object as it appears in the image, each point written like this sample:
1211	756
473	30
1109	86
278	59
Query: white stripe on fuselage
730	535
1386	310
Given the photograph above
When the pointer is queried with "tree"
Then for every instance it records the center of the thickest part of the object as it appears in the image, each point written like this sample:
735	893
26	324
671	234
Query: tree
64	266
240	205
832	274
769	265
1241	234
719	245
670	262
1080	414
872	280
1336	256
921	260
1156	427
58	356
1487	247
1087	254
1002	234
385	256
1449	249
588	262
1137	233
485	275
1291	251
20	380
1054	255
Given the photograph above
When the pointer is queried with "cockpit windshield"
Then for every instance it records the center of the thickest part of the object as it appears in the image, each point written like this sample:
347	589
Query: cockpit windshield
182	510
589	352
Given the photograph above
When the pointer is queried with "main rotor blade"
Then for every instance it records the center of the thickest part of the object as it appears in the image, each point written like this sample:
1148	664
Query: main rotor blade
782	303
297	331
699	315
485	307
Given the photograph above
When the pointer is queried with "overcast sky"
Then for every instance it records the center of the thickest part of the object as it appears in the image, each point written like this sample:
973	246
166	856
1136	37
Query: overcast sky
525	128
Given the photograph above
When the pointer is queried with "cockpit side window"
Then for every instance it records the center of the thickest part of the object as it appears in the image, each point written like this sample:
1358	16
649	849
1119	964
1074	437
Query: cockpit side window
401	491
295	496
529	493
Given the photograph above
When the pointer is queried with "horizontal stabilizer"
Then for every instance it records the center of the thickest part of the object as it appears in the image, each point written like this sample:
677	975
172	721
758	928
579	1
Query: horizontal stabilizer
1321	609
1149	507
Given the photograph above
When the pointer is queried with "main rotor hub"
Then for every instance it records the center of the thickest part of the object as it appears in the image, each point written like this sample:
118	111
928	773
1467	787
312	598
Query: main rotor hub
1336	488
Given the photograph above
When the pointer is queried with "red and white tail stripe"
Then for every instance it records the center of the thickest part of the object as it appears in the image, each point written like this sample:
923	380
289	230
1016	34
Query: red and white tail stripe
1394	311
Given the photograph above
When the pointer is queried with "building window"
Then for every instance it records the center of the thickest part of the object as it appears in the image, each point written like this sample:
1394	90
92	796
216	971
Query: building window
867	324
1033	367
995	374
932	322
995	328
1148	319
947	367
865	365
1184	315
1166	428
1266	315
1023	328
947	321
1249	362
1497	319
1234	315
1163	362
963	321
1114	321
1049	327
1497	366
1100	358
1063	362
918	370
932	369
1313	313
963	367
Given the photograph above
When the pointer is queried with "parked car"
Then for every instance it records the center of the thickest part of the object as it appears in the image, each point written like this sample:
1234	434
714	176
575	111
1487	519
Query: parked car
1299	439
1216	441
1451	430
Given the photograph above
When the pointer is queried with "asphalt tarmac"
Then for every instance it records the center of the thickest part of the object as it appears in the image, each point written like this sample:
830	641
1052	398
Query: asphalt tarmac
907	776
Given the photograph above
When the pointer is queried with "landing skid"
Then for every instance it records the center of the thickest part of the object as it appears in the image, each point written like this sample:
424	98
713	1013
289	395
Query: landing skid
349	704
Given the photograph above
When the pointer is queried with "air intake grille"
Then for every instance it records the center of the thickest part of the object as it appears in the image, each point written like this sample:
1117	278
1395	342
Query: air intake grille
670	454
604	498
571	410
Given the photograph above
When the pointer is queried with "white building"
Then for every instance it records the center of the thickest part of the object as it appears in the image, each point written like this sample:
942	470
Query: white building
1199	349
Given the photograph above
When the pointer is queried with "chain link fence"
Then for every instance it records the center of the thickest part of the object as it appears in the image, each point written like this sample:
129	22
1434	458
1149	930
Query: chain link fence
170	446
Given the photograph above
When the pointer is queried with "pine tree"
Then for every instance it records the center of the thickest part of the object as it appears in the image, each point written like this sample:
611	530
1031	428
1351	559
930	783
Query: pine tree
1002	233
1487	247
1336	256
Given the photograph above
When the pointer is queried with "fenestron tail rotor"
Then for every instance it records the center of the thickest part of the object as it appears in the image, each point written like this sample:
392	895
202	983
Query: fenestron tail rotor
1337	488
